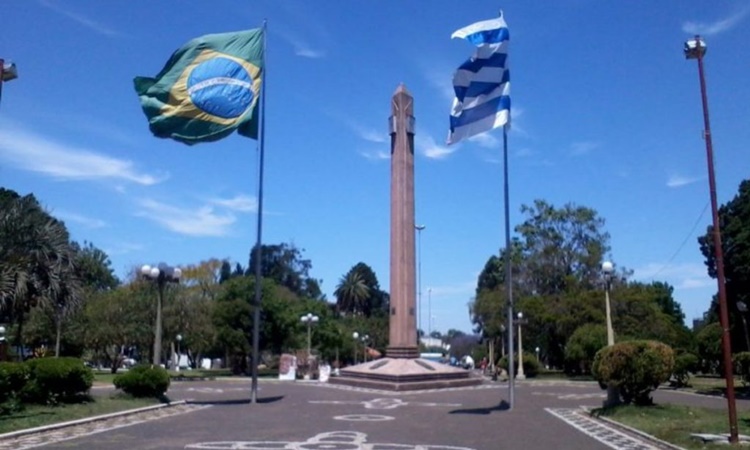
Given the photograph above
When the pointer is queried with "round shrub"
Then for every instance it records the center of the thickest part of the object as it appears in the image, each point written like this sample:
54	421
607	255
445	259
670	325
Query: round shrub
741	362
530	365
636	368
13	378
143	381
53	380
684	364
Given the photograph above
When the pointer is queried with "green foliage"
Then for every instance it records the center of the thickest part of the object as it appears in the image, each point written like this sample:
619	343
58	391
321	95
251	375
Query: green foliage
741	363
582	347
734	217
684	365
636	368
13	378
530	365
283	263
143	381
55	380
709	348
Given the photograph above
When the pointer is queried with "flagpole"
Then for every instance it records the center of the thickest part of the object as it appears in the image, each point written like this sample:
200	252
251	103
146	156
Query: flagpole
508	274
258	252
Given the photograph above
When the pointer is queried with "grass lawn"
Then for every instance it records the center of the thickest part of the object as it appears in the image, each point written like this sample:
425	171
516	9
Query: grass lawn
675	423
37	415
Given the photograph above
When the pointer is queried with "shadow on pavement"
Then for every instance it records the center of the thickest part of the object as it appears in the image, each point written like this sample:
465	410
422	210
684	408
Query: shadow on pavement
243	401
502	406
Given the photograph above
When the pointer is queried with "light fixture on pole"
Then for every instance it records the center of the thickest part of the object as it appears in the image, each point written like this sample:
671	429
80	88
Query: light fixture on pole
742	307
608	269
178	338
419	229
537	355
520	375
3	345
365	340
355	336
309	319
161	275
696	49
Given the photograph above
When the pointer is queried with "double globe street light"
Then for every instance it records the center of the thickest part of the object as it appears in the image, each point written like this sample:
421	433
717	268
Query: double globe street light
309	319
161	275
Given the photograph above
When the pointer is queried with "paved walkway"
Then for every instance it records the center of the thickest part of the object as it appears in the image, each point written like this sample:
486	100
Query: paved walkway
311	416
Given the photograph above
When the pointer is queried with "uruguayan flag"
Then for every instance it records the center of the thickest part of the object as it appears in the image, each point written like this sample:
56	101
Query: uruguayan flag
482	83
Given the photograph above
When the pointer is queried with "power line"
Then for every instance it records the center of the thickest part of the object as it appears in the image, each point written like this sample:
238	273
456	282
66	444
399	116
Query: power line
679	249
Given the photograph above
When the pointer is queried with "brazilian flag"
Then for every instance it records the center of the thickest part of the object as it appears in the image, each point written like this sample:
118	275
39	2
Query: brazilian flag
208	88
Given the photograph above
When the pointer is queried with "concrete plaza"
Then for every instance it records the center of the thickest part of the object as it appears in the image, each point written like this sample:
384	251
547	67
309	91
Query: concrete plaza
298	415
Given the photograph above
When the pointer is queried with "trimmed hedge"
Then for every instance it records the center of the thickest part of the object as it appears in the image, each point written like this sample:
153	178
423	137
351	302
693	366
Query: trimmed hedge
54	380
143	381
530	365
635	368
684	364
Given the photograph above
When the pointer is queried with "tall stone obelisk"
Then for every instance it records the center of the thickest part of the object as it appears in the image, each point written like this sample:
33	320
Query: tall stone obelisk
403	323
402	369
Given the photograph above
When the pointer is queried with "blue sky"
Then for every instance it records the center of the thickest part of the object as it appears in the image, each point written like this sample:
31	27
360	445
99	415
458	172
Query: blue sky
606	114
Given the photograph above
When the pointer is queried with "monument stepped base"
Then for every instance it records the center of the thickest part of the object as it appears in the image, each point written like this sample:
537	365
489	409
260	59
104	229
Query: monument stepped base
405	374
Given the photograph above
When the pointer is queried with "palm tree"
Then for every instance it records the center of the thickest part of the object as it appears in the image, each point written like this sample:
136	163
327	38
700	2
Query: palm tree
34	260
352	293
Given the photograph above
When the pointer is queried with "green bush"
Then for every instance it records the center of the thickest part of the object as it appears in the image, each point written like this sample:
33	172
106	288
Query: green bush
581	348
684	364
741	362
635	368
530	365
143	381
54	380
13	378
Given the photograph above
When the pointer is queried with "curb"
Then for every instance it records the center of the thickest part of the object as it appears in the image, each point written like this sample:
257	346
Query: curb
55	426
638	433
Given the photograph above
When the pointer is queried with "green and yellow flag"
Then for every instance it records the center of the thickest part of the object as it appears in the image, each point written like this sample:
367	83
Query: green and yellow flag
208	88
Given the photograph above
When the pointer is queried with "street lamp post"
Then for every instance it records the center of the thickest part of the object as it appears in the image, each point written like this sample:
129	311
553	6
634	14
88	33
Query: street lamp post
161	275
365	340
309	319
177	364
608	269
742	307
696	49
520	375
537	355
429	310
3	345
355	336
419	276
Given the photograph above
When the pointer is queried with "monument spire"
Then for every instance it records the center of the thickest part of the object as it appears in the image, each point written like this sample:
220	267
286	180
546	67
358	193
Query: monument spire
403	325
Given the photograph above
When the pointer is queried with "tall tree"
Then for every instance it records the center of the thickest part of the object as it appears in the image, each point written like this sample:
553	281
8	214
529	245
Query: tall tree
35	259
734	218
351	294
283	263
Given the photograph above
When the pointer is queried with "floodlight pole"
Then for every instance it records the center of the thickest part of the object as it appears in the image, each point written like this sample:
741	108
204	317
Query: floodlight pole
696	49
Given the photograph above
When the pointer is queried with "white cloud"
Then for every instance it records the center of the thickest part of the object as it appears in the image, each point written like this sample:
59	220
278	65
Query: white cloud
87	222
583	148
202	221
85	21
442	80
485	140
427	146
240	203
301	47
122	248
376	155
35	153
368	134
681	276
675	181
719	26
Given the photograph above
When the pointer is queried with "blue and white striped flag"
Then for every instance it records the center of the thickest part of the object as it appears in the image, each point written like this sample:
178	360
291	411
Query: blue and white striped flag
482	83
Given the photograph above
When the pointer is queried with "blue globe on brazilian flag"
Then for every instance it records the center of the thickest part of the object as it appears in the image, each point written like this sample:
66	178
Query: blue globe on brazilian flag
208	88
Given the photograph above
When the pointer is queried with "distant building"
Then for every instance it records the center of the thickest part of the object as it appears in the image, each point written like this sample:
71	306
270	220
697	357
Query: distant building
698	324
